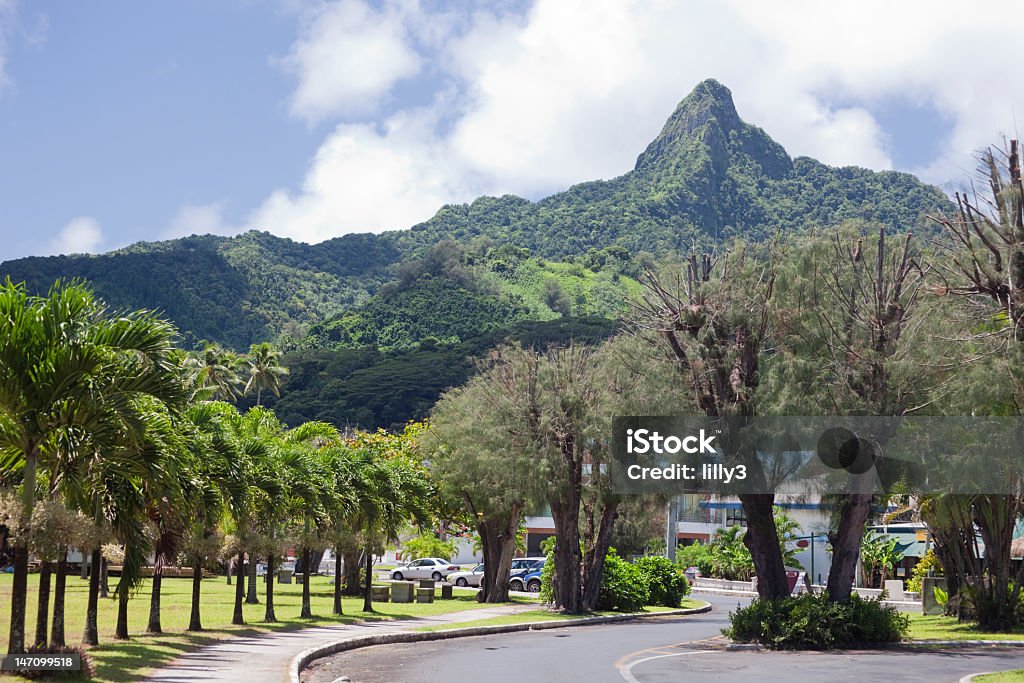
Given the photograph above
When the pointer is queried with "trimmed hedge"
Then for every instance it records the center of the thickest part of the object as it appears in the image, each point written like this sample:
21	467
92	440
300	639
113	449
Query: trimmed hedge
811	622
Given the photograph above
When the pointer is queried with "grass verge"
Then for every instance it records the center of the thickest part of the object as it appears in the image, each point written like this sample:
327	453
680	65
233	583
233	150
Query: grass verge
948	628
1015	676
131	660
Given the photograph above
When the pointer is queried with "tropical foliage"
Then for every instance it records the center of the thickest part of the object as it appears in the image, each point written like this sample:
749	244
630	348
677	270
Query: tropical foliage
111	442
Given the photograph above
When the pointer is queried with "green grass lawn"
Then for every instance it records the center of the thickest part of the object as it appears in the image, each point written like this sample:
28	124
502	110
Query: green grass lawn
130	660
1015	676
948	628
545	615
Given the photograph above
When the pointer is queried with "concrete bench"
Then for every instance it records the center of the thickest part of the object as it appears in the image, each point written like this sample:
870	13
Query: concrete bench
425	594
402	591
285	575
380	593
446	591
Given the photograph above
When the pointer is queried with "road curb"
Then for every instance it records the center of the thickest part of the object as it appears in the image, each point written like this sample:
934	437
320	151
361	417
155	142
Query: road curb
905	645
962	643
306	656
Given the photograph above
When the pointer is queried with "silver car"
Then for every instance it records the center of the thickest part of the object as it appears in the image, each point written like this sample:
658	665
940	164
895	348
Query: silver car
425	568
473	577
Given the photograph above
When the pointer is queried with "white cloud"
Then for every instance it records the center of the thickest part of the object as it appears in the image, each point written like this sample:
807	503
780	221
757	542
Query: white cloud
366	180
81	235
572	90
348	57
198	219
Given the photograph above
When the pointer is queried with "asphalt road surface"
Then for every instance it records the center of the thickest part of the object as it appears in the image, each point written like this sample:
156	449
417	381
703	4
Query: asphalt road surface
649	651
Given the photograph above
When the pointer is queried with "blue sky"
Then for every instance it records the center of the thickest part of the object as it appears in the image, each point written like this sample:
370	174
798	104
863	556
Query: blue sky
126	121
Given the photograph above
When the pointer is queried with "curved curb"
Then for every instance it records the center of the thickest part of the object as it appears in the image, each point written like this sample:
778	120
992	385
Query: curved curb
971	677
306	656
905	645
962	643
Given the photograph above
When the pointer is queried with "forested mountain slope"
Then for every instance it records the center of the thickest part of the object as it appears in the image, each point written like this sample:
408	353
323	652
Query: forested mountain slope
708	176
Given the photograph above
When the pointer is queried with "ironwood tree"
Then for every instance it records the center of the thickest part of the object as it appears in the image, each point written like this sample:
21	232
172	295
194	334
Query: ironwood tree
982	266
847	312
713	317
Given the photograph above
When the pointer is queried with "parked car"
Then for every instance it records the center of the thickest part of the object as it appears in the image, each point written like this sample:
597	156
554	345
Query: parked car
522	564
529	580
473	577
425	568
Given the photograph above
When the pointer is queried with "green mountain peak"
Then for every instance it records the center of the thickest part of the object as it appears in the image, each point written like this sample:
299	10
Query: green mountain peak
706	122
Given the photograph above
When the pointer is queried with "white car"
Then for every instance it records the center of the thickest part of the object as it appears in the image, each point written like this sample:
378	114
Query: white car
471	578
426	568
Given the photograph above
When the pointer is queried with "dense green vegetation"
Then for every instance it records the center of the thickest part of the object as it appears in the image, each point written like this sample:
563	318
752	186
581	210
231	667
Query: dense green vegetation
708	176
370	387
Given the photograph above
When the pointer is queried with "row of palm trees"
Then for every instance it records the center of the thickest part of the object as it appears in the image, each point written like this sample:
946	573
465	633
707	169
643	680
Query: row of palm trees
110	434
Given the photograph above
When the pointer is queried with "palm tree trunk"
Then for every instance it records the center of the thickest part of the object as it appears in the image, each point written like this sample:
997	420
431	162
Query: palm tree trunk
237	617
337	582
250	597
19	600
307	613
121	633
195	621
229	572
57	630
269	615
91	634
43	607
154	603
368	582
19	587
104	578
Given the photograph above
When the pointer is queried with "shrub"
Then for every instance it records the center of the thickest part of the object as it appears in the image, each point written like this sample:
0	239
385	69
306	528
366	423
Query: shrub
547	574
86	672
920	570
811	622
665	581
428	545
623	585
696	555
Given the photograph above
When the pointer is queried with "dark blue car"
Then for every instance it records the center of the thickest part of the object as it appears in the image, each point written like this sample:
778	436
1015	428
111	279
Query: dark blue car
527	579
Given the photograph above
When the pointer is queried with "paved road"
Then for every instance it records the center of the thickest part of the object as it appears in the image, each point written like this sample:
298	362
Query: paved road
265	658
648	651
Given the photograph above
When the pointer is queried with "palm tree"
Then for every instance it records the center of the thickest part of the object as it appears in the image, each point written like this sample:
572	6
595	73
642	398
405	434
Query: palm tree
257	432
309	486
215	461
71	374
218	369
265	370
399	491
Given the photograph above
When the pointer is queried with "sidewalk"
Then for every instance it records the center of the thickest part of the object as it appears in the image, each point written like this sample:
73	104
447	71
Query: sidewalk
266	657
